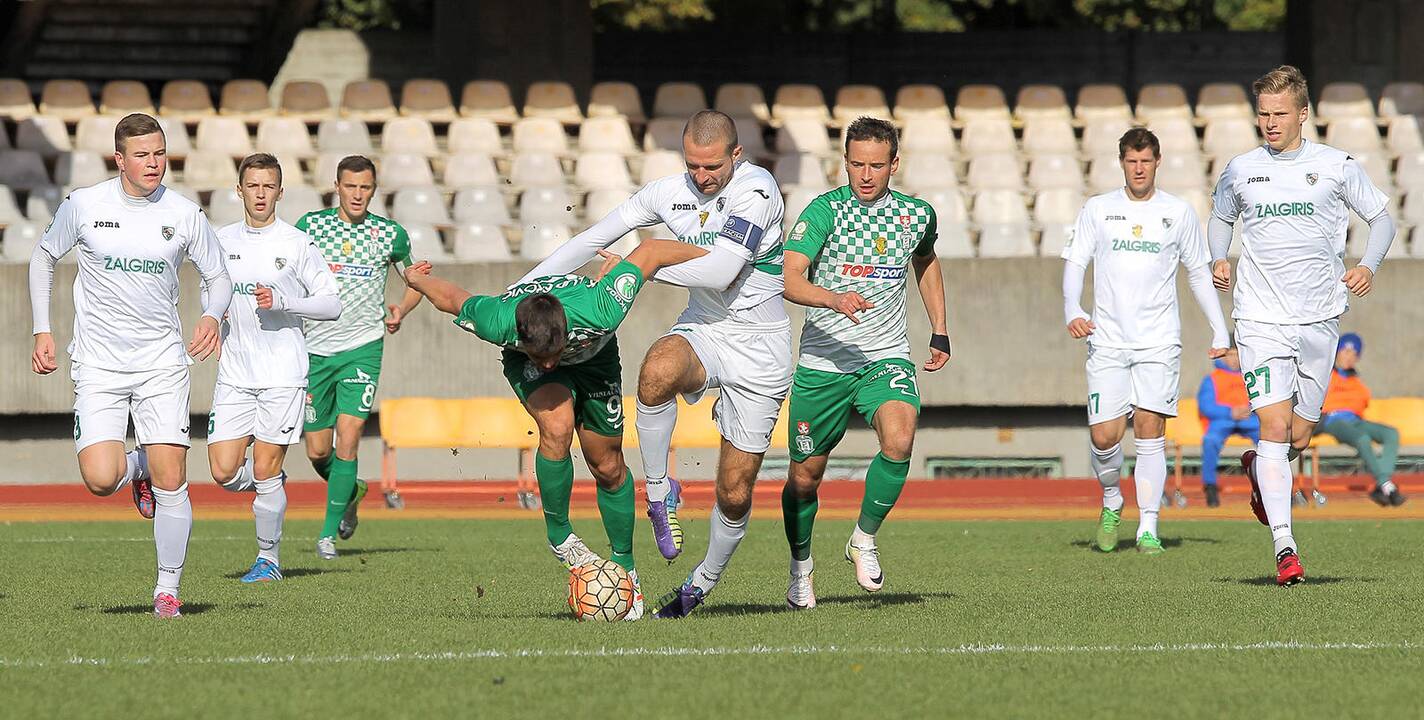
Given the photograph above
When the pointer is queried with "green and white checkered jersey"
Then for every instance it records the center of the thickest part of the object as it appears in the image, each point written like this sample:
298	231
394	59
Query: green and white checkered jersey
360	256
866	249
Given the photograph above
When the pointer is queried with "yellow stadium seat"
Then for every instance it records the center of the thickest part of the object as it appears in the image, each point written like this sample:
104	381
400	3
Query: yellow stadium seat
1405	414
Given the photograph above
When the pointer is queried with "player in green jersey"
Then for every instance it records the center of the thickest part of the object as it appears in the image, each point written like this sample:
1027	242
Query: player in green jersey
857	241
345	354
561	359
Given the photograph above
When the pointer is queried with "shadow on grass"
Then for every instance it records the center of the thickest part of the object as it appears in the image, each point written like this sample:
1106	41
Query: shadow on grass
866	600
382	550
1128	544
1267	580
188	609
290	573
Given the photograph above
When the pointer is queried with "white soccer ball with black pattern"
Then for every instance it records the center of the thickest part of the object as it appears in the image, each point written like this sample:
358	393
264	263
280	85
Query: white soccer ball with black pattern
600	590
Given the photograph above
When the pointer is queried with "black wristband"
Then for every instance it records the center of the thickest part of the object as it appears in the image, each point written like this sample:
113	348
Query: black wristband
940	343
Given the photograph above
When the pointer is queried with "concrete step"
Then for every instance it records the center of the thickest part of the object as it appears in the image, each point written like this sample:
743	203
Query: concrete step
97	33
157	15
98	72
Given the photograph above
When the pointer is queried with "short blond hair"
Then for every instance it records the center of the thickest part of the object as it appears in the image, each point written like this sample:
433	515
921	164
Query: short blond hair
1286	78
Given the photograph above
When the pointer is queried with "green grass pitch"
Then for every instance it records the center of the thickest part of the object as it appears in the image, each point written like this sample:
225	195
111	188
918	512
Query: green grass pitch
427	618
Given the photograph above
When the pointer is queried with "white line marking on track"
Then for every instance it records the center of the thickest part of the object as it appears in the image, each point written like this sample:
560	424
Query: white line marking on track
754	650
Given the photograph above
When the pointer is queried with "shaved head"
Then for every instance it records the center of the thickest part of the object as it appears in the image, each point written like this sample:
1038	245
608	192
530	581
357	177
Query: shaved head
710	127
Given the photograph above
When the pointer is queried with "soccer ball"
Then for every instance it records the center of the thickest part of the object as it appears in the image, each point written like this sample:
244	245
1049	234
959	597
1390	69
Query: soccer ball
600	591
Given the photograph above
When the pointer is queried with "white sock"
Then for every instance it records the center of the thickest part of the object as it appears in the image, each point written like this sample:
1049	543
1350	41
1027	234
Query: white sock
172	524
1273	477
1150	475
135	468
802	567
726	535
1388	487
1107	466
655	425
268	510
861	538
244	480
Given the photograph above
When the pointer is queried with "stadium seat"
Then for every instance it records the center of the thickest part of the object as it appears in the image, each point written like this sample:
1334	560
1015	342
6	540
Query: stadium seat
43	201
531	169
9	209
305	100
1200	201
225	207
225	135
19	240
81	169
1104	173
546	205
955	241
601	202
340	135
1339	100
661	163
926	171
664	134
1178	173
474	135
1399	98
398	171
1177	135
1308	130
293	170
995	172
1353	133
185	100
183	190
121	97
425	242
606	134
1049	136
999	207
793	171
678	100
248	100
1376	166
409	135
750	137
540	135
1223	101
284	136
1161	101
95	134
481	242
1041	102
928	134
15	101
1049	172
948	204
1228	137
22	169
368	100
67	100
616	100
602	171
854	101
489	100
799	101
324	173
743	101
552	99
803	135
420	205
541	239
45	134
175	135
1100	136
1409	173
920	101
206	170
298	200
981	102
796	203
427	99
470	170
1006	241
1403	136
1101	101
480	205
984	136
1056	212
952	221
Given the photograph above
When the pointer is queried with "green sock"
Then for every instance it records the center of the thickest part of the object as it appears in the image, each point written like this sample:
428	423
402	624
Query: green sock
883	483
616	509
556	483
338	493
323	468
799	516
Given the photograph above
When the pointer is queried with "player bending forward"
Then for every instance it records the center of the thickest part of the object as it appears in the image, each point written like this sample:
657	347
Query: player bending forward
127	353
1293	197
279	279
1134	237
561	359
855	351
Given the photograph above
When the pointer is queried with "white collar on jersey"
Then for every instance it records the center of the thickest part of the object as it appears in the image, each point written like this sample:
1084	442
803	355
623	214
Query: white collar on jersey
137	202
1287	154
265	229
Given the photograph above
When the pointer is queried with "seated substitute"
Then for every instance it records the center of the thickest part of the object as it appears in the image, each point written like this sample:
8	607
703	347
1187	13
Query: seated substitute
1225	411
1345	403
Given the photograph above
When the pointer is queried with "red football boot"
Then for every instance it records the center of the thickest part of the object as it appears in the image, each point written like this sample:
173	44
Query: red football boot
1248	463
1288	569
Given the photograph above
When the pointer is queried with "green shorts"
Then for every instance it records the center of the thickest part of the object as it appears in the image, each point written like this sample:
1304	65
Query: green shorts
342	384
596	385
821	402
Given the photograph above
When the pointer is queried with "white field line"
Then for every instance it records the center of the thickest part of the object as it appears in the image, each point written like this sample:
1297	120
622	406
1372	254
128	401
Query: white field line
458	656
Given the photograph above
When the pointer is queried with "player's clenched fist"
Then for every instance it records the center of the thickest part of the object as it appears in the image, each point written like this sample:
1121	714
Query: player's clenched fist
850	303
42	362
1081	328
1359	280
264	296
1221	275
206	339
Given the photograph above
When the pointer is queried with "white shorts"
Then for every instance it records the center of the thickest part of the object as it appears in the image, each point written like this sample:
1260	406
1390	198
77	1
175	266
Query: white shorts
104	399
753	368
1120	380
272	415
1284	362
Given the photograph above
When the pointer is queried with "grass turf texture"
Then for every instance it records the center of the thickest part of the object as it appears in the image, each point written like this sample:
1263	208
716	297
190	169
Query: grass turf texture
982	619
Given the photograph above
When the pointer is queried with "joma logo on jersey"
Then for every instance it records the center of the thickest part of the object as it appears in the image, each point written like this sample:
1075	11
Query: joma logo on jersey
1111	218
352	271
1259	178
873	272
111	224
1285	209
683	206
1136	246
135	265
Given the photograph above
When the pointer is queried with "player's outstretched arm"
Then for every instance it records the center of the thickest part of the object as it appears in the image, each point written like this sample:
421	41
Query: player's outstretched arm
582	247
653	255
931	283
447	297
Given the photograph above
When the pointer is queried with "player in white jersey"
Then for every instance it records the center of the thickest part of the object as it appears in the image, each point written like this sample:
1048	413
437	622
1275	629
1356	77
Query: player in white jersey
1294	199
279	279
127	353
1135	237
734	334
